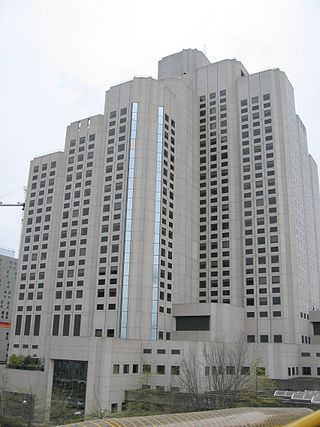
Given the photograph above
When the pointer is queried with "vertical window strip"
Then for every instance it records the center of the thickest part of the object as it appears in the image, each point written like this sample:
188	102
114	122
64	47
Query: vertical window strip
128	224
156	240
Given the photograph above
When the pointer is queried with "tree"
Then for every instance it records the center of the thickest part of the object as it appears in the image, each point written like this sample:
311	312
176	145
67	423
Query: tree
227	371
190	380
223	375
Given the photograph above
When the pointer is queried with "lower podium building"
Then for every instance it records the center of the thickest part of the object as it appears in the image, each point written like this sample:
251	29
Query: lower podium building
186	213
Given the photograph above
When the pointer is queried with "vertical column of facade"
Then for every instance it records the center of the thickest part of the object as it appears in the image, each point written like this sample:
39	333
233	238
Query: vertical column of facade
306	237
305	232
290	212
165	201
219	280
298	193
76	251
156	241
37	256
210	272
107	298
148	240
262	139
314	181
308	249
126	227
128	223
180	200
215	198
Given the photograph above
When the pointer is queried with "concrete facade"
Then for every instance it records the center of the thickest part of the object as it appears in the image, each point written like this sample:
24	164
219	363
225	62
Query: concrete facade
193	197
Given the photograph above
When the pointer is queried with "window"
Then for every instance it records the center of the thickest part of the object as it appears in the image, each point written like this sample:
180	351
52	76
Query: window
36	328
55	326
77	325
116	369
306	370
245	370
125	369
79	294
18	324
175	370
161	369
66	325
251	338
68	294
135	369
260	371
277	338
276	300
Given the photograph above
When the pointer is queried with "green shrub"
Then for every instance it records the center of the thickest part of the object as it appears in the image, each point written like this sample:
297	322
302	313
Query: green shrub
16	360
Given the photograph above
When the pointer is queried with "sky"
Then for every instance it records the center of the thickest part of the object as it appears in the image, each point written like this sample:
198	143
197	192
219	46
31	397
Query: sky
58	57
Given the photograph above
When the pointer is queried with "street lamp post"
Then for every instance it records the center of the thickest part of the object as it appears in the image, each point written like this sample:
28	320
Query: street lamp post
24	409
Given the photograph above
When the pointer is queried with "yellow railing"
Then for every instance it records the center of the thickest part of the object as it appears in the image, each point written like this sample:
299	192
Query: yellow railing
257	417
312	420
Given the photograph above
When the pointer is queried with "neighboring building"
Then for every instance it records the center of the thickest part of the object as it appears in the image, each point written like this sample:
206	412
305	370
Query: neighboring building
186	213
8	275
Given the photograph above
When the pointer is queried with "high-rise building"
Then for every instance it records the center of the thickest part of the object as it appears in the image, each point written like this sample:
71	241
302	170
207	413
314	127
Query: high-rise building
8	274
188	212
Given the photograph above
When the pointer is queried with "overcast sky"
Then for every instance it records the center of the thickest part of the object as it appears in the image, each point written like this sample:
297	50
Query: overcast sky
59	56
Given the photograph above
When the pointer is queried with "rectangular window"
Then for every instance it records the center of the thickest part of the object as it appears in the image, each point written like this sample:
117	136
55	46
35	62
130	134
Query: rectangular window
27	325
36	328
245	370
135	369
161	369
66	325
55	326
316	328
193	323
175	370
277	338
77	325
306	370
18	324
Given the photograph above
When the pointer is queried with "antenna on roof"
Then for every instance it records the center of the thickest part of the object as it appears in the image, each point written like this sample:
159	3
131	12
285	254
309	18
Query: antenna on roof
204	48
